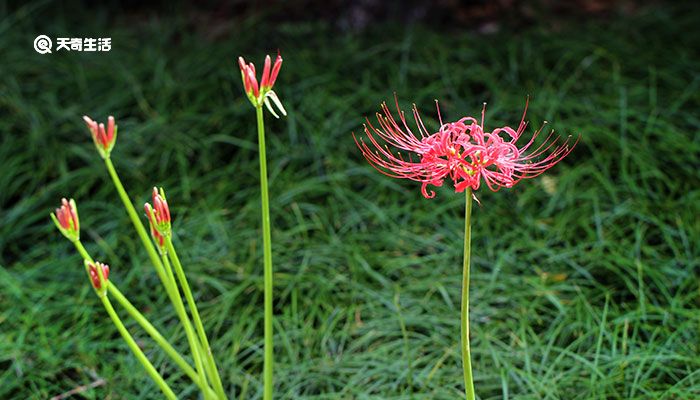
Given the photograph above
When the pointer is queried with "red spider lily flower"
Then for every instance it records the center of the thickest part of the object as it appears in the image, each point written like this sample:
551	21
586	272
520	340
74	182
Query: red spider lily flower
66	219
94	274
263	93
158	217
460	151
104	138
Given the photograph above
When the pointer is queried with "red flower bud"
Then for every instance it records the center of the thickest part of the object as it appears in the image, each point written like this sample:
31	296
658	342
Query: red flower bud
104	138
161	207
158	217
66	219
261	94
160	240
94	277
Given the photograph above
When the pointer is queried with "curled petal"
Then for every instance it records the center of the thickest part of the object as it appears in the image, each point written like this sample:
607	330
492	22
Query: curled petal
272	95
269	107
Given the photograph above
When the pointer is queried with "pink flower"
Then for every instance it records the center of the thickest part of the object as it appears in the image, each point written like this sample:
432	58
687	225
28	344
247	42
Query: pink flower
94	277
460	151
104	139
158	217
263	93
66	219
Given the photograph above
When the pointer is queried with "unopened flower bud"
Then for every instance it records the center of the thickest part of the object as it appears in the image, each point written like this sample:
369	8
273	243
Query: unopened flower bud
66	219
94	274
263	93
104	138
158	217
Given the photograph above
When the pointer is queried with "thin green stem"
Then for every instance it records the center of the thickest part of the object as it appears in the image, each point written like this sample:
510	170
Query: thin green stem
159	339
466	354
136	221
212	371
82	251
166	278
150	369
267	257
150	329
191	337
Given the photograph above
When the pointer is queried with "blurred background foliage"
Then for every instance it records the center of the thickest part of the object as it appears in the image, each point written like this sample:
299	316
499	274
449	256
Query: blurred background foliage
585	282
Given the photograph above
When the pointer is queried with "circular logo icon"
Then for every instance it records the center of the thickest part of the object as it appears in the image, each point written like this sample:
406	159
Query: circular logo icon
42	44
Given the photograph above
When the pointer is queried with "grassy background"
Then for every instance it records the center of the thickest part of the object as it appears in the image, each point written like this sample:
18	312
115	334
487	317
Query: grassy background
585	281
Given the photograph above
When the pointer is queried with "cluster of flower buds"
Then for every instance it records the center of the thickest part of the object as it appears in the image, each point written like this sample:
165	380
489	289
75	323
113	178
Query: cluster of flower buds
263	93
104	138
93	271
158	217
66	220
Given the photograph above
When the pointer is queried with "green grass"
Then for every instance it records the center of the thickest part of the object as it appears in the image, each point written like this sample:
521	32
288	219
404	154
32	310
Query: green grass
584	282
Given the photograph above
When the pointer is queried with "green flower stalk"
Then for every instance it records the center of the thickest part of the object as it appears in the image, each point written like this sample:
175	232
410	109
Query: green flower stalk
160	222
149	328
259	95
66	220
104	139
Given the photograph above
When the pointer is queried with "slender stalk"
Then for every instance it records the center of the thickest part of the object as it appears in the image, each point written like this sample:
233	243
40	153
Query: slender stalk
159	339
166	279
136	221
150	329
267	257
150	369
191	337
212	371
466	354
82	251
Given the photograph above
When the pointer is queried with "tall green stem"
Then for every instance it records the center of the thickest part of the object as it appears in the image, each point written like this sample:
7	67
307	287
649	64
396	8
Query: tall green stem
159	339
267	257
165	276
191	337
466	354
138	225
150	369
212	371
150	329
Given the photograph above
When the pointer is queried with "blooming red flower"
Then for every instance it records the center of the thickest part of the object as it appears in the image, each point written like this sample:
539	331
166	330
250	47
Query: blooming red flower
94	277
263	93
461	151
66	219
104	138
158	216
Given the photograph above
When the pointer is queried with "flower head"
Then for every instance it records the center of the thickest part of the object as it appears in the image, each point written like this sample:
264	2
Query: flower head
94	273
263	93
104	138
66	219
460	151
158	217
